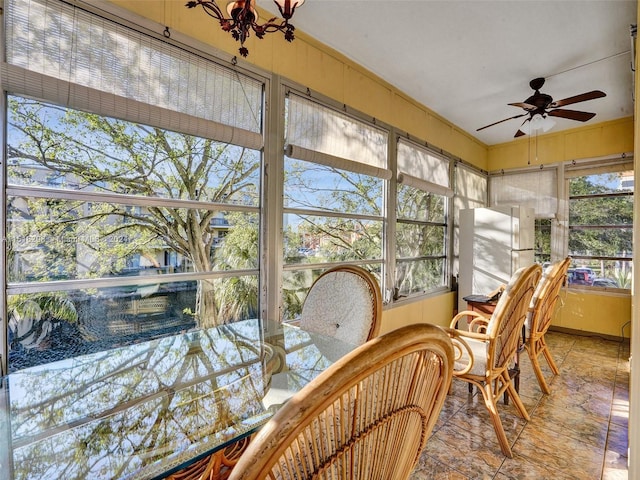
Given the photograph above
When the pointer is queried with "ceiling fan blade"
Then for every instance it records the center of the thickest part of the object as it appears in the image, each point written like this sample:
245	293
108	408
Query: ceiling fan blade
527	106
572	115
520	133
506	119
583	97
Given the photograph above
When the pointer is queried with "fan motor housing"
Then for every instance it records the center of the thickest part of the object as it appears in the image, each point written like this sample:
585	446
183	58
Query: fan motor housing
540	100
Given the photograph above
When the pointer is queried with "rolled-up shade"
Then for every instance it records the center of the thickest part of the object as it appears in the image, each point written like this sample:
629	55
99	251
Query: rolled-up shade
471	188
598	167
535	189
294	151
421	163
424	185
320	129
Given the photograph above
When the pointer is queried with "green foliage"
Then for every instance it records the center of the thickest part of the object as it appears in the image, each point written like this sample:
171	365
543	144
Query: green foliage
50	145
595	220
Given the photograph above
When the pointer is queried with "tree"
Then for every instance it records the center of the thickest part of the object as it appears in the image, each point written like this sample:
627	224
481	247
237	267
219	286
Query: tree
332	237
601	221
96	153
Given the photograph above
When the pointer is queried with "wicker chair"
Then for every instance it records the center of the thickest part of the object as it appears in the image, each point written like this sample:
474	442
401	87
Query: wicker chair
494	343
541	310
344	302
368	416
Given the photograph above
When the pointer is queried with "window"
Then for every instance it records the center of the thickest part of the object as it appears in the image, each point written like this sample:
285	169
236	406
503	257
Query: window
594	225
127	166
335	173
537	189
601	228
421	220
470	192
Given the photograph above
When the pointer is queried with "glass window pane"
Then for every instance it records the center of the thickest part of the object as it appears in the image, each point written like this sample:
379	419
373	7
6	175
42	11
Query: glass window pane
419	240
607	242
63	240
542	240
419	276
314	239
415	204
51	326
601	211
311	186
601	183
63	148
601	273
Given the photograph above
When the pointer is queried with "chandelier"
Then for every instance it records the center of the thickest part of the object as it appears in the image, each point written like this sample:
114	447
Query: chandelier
243	18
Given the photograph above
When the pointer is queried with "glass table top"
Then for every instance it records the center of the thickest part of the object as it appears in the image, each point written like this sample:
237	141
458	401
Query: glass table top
145	410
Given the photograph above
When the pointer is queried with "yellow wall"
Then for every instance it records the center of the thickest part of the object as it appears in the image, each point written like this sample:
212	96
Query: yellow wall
589	141
607	314
437	310
323	70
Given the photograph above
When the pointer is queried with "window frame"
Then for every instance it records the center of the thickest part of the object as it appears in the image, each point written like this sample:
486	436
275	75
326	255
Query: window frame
408	176
136	112
349	165
578	170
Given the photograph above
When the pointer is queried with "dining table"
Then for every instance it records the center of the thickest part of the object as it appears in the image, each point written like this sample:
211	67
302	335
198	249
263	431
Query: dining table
151	409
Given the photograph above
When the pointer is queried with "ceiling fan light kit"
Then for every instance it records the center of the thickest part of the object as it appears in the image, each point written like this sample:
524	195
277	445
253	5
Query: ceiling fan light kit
540	106
538	122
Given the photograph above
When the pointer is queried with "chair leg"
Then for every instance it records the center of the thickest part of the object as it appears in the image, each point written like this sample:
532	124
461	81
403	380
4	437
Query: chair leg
547	355
517	401
535	349
537	369
490	401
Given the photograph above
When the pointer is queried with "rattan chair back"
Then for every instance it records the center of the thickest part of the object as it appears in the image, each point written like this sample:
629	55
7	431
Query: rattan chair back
505	325
366	417
344	302
485	354
541	312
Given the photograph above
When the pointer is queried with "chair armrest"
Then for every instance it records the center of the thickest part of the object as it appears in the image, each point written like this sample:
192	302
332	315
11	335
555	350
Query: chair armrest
459	347
475	335
479	321
479	325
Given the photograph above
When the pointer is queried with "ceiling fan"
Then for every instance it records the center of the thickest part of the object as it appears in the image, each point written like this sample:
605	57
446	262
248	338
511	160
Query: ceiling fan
540	106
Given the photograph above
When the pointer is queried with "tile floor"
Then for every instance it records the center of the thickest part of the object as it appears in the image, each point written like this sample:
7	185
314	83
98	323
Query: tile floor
577	432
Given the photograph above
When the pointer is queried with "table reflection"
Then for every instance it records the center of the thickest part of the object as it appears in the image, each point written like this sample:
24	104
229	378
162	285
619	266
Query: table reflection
144	410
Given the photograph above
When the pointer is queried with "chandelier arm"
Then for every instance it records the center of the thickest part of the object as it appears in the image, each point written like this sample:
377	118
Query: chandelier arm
210	8
271	26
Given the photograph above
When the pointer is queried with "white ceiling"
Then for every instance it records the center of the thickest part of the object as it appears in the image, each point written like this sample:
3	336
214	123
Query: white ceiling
466	60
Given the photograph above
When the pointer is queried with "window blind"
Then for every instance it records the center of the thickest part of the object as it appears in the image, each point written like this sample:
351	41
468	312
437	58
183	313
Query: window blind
422	169
334	137
597	167
536	189
294	151
60	53
471	188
